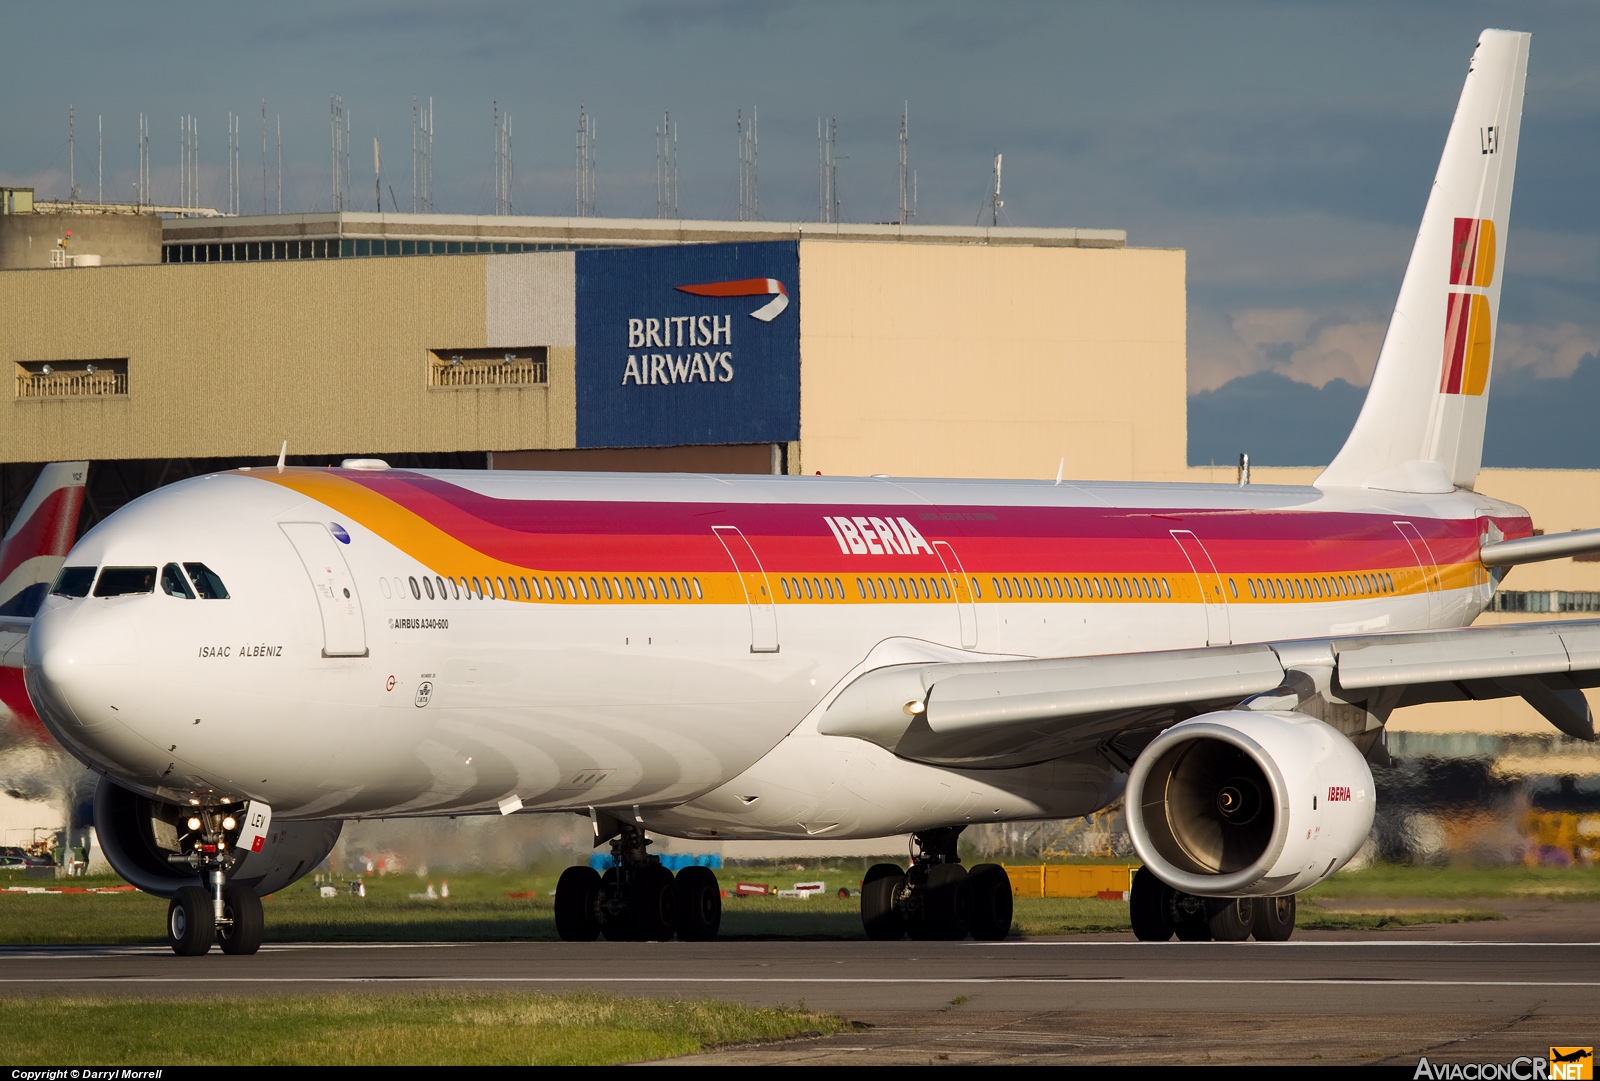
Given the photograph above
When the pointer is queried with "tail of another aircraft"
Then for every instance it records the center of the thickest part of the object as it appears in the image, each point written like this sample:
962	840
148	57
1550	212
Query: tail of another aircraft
40	537
1421	427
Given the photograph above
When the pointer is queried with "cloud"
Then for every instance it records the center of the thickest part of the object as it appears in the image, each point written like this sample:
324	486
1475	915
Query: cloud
1299	344
1274	419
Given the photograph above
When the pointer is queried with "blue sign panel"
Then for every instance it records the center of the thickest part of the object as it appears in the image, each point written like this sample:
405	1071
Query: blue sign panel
689	344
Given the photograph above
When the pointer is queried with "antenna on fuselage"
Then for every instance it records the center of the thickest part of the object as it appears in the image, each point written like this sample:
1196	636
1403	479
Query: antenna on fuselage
283	455
1060	469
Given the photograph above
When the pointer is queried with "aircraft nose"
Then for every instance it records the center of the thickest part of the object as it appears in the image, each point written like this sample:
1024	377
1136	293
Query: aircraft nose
73	668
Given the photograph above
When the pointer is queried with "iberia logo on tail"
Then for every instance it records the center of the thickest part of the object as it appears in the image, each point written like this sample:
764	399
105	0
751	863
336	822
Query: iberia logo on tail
1467	322
748	287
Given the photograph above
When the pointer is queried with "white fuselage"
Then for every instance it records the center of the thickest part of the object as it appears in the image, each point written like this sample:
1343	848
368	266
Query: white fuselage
677	708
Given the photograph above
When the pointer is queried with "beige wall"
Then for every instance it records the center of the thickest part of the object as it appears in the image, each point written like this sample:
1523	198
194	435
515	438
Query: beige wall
989	362
234	358
26	240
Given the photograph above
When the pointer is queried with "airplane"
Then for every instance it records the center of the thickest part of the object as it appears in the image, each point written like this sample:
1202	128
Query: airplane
31	553
250	658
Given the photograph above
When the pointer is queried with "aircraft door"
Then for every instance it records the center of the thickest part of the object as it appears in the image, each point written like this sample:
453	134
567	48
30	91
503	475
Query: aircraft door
1218	629
344	631
757	590
1425	563
966	609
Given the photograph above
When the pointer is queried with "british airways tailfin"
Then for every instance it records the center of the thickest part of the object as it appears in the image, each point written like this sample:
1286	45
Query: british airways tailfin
1421	427
40	536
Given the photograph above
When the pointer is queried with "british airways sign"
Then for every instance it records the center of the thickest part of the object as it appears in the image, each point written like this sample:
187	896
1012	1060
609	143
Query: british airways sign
688	344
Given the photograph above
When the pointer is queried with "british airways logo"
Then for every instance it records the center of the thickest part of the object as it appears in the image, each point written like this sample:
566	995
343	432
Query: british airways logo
877	536
696	331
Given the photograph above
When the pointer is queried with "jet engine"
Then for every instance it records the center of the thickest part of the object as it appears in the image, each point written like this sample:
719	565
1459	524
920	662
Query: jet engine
1240	803
138	833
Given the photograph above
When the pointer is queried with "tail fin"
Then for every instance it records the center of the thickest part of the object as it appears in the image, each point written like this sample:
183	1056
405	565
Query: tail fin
40	537
1421	427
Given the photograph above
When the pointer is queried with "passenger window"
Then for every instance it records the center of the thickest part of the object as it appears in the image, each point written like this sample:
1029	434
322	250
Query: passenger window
125	581
785	583
206	583
1388	581
861	589
416	590
442	594
1166	590
477	588
173	583
838	589
1253	594
977	590
629	583
1234	589
562	587
685	583
527	594
807	588
427	585
828	588
73	582
676	595
996	583
583	587
698	595
606	582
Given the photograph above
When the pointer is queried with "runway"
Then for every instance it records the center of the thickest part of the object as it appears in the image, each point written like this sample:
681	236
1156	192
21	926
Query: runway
1350	996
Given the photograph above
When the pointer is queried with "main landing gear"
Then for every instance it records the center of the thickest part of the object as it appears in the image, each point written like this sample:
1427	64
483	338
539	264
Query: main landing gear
217	912
637	900
1158	912
937	899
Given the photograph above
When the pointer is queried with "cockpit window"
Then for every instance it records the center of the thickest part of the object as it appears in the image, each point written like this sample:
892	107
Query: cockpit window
74	582
125	581
174	584
206	582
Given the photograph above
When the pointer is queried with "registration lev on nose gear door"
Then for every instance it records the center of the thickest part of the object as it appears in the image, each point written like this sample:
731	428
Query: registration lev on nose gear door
344	632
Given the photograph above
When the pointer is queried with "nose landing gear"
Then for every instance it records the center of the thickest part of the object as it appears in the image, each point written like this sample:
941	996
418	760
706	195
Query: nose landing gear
637	899
937	898
199	916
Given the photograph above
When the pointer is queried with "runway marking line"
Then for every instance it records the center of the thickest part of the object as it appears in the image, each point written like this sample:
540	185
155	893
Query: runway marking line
962	980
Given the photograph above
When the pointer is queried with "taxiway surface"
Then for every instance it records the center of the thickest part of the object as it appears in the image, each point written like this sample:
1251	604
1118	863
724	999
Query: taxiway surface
1471	990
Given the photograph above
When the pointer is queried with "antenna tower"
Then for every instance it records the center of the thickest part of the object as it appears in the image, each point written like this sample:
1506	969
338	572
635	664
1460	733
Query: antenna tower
749	173
279	118
584	191
828	160
100	126
996	204
504	172
908	182
143	187
72	161
666	167
340	121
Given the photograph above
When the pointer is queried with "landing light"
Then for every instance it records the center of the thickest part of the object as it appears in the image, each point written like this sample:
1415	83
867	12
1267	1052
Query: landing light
228	823
193	823
914	707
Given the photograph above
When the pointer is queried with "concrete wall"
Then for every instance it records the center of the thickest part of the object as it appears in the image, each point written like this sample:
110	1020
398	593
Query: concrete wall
986	362
26	240
234	358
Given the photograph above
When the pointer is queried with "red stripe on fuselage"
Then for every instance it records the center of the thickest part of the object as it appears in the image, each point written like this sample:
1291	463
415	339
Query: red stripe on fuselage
628	536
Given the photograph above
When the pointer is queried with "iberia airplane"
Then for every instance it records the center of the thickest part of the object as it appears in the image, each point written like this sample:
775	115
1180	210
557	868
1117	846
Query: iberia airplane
251	657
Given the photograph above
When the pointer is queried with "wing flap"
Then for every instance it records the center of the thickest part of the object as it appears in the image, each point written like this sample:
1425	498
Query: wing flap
999	714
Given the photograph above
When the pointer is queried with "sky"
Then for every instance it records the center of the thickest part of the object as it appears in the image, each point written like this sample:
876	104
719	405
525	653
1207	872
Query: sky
1287	146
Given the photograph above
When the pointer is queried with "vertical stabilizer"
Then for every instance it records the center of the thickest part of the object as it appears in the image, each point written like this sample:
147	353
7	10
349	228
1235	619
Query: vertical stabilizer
1421	427
40	536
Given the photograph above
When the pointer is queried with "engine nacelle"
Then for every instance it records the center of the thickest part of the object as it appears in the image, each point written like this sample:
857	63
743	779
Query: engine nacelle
1240	803
137	833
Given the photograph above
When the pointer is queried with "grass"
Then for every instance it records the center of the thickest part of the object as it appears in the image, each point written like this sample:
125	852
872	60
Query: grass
481	906
1391	880
493	1029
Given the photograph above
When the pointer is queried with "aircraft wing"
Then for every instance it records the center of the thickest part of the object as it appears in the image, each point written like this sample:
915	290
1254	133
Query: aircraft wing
1002	714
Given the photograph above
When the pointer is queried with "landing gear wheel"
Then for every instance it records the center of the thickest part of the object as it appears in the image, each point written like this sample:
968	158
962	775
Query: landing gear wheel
652	905
578	904
1190	920
988	902
880	890
614	926
1230	919
943	914
242	908
699	904
1150	907
1274	918
191	922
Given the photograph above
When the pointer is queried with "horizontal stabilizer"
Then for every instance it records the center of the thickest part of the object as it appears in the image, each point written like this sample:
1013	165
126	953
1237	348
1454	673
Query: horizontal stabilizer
1536	549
